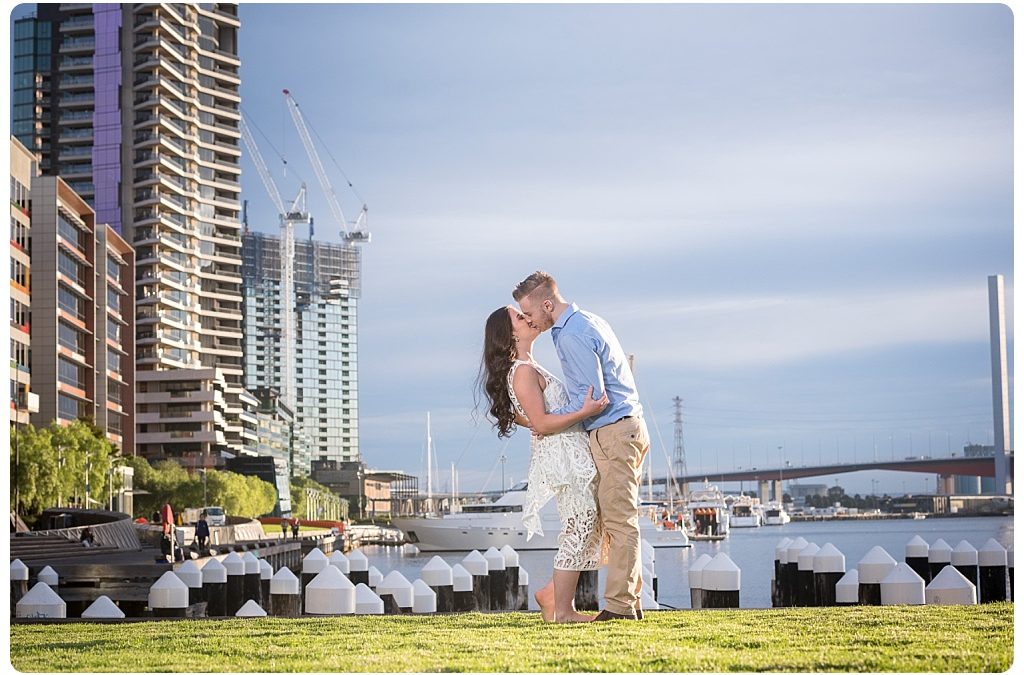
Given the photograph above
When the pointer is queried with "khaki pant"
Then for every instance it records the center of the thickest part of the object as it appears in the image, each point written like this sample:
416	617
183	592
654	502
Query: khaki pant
619	451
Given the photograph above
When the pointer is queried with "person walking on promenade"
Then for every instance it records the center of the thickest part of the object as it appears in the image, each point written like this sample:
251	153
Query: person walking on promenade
520	391
202	532
593	360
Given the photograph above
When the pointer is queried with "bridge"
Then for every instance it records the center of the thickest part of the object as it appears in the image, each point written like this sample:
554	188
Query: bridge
944	467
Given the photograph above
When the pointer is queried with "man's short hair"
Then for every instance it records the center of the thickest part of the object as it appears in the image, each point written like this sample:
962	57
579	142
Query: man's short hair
537	280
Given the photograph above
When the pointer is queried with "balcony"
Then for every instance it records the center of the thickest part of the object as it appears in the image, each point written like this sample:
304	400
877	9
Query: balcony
73	63
79	44
77	100
79	24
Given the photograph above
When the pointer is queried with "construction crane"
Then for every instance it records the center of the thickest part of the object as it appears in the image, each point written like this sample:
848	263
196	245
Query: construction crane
297	214
357	233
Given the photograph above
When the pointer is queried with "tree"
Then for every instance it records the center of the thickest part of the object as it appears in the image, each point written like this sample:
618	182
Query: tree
62	462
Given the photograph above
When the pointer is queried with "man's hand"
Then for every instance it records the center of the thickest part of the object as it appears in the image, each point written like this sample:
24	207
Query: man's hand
536	434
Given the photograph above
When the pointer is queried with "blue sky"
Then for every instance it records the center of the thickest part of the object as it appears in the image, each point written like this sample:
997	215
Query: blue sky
788	213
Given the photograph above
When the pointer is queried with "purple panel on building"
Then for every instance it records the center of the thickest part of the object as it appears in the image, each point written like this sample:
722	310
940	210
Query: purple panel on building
106	151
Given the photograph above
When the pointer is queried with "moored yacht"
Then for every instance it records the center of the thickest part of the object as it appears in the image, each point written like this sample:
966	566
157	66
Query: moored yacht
774	514
480	526
745	511
707	514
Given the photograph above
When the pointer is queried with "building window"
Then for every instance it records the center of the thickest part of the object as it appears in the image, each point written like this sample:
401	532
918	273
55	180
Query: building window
69	302
113	361
69	267
69	373
69	408
69	337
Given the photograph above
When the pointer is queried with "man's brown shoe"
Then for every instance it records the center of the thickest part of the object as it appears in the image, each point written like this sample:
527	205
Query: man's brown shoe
639	613
605	615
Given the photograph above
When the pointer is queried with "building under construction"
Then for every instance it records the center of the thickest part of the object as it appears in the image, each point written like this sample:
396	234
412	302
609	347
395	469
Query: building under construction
326	282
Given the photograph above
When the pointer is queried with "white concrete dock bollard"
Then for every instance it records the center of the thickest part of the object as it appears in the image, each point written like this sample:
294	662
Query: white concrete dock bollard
330	592
215	588
476	565
780	567
848	588
694	576
48	576
965	559
19	583
41	602
266	574
168	596
992	572
397	593
375	576
437	574
358	567
872	568
368	602
829	568
250	610
424	599
902	586
251	587
720	583
285	594
646	559
312	565
462	586
805	575
338	559
524	590
497	577
103	608
790	573
916	555
938	556
949	587
511	577
190	573
235	566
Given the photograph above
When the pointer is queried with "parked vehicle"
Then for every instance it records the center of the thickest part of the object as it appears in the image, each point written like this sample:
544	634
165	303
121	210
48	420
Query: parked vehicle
214	515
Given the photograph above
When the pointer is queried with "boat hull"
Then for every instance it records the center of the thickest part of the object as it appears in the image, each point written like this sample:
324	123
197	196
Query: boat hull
744	521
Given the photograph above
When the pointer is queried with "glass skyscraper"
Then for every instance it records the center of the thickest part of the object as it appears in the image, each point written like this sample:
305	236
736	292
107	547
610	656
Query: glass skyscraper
326	293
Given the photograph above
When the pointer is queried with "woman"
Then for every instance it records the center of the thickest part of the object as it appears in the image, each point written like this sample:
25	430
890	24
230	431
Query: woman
522	392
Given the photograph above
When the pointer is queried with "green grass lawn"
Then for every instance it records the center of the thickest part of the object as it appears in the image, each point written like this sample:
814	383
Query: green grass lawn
275	529
929	638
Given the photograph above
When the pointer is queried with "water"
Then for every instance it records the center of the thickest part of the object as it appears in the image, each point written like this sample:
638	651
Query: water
752	549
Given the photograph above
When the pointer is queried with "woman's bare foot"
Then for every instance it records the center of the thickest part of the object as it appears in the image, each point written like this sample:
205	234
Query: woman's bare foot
545	598
573	617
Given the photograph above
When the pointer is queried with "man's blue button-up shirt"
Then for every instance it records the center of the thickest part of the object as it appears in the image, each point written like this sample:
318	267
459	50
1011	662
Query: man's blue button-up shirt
591	356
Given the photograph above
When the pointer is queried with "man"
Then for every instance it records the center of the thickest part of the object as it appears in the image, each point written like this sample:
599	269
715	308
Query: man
592	357
202	532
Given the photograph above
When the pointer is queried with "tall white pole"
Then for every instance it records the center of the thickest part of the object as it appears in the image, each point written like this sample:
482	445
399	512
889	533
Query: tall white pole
430	475
1000	388
455	490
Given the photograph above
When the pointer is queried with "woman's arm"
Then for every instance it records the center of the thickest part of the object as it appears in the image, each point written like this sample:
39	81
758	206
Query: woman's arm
526	384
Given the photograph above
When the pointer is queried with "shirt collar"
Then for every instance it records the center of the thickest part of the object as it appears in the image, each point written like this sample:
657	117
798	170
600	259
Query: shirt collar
569	311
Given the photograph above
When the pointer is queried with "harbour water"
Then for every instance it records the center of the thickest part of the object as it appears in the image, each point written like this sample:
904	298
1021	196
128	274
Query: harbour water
752	549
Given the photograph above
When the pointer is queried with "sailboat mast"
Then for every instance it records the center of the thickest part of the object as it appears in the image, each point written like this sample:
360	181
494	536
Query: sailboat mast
430	475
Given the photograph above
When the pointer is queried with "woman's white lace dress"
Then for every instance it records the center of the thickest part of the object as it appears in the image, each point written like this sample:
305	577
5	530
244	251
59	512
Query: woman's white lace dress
562	467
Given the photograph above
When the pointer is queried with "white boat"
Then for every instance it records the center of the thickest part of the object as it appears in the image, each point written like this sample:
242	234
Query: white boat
707	514
745	511
774	514
480	526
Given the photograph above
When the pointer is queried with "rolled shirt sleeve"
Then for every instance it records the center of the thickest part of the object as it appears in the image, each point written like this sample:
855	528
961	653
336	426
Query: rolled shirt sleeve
581	366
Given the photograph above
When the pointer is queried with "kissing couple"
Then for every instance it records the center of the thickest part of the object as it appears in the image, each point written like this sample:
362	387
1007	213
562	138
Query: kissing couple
588	443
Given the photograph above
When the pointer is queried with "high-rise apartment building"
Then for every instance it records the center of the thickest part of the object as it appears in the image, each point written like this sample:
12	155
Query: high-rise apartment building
23	170
326	292
82	314
137	107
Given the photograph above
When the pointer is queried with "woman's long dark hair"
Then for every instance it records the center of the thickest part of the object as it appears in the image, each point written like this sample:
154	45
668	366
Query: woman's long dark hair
499	353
